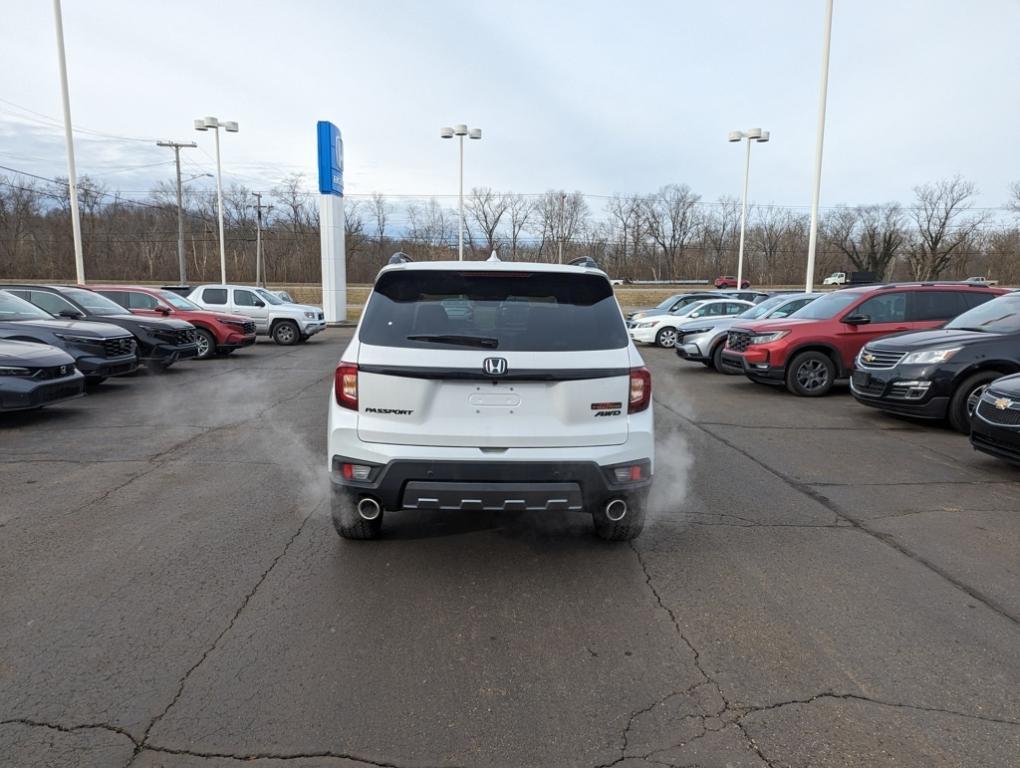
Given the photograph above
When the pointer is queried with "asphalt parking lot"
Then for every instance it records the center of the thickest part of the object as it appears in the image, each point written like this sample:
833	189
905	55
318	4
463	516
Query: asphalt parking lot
819	585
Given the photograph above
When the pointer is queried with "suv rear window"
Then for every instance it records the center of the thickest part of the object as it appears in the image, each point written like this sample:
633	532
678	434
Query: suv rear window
513	311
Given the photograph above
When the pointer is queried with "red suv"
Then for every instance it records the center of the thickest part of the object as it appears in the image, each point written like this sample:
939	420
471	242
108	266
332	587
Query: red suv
729	281
217	333
818	343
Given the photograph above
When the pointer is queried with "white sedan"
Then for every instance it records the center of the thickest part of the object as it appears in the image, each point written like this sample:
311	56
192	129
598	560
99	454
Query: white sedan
661	329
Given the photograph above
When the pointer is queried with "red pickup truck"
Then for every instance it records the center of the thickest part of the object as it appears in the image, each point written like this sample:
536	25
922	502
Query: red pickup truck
217	333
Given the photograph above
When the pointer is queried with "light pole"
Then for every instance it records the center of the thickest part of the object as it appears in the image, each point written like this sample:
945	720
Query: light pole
72	177
176	146
754	134
461	131
204	124
819	140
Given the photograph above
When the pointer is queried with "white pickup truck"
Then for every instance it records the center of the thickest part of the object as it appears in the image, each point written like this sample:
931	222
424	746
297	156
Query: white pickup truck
285	323
836	278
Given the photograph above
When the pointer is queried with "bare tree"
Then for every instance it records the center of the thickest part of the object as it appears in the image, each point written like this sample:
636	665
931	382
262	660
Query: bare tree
519	210
1013	203
560	216
380	216
720	231
671	221
869	236
943	226
487	209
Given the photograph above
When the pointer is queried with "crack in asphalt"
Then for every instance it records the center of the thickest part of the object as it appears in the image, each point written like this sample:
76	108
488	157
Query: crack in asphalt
276	756
143	742
889	540
70	728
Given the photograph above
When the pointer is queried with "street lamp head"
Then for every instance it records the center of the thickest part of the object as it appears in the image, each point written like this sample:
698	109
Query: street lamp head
200	125
763	138
460	130
212	122
753	133
735	136
475	133
446	133
230	126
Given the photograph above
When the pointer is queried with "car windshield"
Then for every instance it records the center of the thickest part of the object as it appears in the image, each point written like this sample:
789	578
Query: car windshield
177	301
1001	315
13	308
826	306
512	311
760	310
270	297
666	303
94	302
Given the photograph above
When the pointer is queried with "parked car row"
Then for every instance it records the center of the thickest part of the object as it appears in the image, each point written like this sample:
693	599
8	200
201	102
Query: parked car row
937	351
56	339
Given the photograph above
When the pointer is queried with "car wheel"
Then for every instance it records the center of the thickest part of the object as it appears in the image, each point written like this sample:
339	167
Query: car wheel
666	338
810	374
286	333
348	523
966	397
745	285
206	343
627	528
717	361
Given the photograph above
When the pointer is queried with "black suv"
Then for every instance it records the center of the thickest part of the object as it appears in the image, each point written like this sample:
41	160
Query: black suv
161	342
99	349
996	425
942	373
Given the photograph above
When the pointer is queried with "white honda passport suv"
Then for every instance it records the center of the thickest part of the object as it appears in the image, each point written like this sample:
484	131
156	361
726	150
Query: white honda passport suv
491	386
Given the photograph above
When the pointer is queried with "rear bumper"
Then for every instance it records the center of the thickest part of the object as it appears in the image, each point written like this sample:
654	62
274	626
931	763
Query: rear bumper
490	485
21	394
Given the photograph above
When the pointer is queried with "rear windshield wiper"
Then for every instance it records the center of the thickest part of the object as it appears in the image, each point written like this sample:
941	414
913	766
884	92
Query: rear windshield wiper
466	341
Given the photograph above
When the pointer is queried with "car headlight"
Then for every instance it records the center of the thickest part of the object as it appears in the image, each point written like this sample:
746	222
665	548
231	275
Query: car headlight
14	371
310	315
78	339
930	356
650	324
766	338
692	331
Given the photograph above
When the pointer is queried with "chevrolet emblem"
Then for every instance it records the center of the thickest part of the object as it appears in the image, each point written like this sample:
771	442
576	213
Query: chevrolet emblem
868	357
1002	403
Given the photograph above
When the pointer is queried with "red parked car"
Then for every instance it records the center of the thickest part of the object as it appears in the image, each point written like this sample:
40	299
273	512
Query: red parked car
217	333
816	345
730	281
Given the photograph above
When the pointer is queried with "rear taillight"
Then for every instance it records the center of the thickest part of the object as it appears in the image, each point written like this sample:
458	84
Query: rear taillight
640	390
345	386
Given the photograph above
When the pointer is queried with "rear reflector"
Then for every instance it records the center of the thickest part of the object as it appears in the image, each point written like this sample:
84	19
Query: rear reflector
640	390
356	471
625	474
345	386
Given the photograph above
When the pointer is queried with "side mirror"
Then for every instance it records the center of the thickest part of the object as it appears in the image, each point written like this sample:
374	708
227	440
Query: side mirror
70	314
695	314
164	310
857	319
259	303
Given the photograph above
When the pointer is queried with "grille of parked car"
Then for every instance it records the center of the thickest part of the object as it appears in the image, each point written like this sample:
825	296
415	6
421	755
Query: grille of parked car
122	345
53	372
738	340
322	316
873	358
249	326
180	336
1008	416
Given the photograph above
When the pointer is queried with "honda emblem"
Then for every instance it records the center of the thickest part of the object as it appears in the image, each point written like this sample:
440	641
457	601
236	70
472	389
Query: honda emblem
494	366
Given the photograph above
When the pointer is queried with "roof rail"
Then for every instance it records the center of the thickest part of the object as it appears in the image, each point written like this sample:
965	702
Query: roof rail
400	258
583	261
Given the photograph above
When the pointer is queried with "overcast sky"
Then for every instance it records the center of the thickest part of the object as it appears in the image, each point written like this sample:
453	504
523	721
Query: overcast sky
596	96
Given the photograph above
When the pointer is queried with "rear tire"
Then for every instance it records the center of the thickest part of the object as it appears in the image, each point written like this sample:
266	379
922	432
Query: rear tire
206	343
965	399
811	374
286	333
348	523
666	337
627	529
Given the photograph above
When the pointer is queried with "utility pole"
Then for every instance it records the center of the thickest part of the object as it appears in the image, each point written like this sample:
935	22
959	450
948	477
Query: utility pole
816	191
72	177
181	261
258	237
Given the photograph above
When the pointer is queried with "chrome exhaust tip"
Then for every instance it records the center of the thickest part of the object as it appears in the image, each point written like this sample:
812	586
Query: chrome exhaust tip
616	510
369	508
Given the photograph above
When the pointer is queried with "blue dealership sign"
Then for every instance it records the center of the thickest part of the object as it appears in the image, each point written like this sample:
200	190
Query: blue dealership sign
331	159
